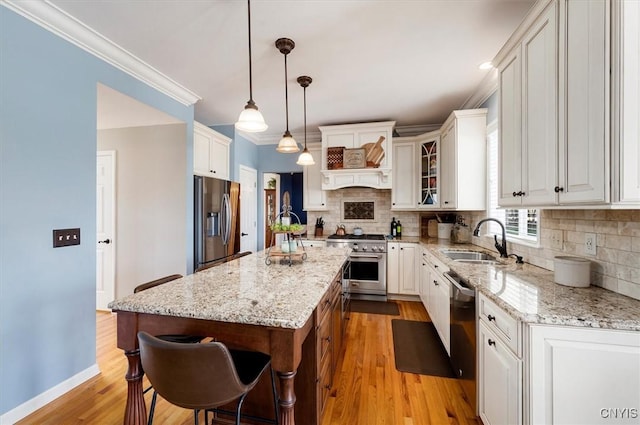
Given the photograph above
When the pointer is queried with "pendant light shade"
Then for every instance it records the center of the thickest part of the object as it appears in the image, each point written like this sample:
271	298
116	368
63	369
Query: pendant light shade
250	120
305	157
287	144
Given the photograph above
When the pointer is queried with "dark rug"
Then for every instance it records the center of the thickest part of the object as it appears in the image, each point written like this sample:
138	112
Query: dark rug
418	349
375	307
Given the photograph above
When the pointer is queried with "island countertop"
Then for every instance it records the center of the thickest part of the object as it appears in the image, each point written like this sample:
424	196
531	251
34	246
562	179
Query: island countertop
245	291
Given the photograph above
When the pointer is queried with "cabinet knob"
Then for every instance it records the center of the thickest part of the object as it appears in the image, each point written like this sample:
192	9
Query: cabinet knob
435	282
401	249
446	202
393	203
491	318
491	342
558	189
522	194
435	265
515	194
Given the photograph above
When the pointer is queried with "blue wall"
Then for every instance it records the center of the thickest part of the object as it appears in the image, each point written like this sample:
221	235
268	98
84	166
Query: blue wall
292	183
48	181
492	105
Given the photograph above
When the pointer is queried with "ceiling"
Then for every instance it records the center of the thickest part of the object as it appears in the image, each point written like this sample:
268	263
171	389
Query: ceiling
412	61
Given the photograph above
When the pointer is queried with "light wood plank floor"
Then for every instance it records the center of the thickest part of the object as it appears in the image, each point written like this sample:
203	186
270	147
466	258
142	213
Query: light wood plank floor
368	390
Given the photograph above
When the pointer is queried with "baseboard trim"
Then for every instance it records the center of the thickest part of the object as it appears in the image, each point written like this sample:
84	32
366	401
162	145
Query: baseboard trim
30	406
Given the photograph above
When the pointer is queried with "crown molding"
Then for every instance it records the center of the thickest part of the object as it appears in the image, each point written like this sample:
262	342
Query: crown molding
60	23
483	91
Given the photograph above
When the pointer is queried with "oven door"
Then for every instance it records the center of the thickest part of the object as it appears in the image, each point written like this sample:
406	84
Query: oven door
368	274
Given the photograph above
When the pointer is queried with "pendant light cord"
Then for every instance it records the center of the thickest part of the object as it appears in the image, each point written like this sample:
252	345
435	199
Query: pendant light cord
250	78
286	92
305	116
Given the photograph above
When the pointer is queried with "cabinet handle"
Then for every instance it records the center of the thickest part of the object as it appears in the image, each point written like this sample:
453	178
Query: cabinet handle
435	282
393	247
328	339
515	194
328	387
446	202
491	318
435	265
401	249
558	189
393	203
522	193
491	342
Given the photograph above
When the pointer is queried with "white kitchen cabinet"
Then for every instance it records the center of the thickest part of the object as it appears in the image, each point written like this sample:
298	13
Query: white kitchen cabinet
554	93
313	243
429	170
425	275
528	133
313	197
626	102
499	378
403	182
500	366
437	295
355	136
210	152
583	165
583	375
463	164
402	268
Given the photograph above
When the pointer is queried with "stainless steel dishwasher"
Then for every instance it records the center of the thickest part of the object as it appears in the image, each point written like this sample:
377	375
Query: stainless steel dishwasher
462	304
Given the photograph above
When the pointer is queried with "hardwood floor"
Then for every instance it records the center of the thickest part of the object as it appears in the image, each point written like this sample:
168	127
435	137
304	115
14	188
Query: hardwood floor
368	390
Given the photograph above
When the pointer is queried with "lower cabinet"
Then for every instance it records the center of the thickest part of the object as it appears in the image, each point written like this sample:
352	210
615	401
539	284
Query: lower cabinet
500	380
402	268
328	341
434	293
583	376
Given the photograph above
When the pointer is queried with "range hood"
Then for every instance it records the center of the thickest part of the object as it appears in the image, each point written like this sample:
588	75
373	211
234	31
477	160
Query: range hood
357	155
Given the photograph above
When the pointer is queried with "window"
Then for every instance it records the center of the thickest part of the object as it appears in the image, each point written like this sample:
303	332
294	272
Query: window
520	224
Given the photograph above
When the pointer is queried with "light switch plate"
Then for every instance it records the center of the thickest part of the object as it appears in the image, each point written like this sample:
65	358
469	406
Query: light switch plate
66	237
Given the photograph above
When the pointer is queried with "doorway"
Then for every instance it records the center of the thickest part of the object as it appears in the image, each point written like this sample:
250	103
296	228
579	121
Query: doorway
248	209
105	228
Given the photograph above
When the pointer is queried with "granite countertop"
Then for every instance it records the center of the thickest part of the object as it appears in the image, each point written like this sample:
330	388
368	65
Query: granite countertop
245	291
530	294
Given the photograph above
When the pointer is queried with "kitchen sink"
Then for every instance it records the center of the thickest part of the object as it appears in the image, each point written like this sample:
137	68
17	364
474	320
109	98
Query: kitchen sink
478	261
470	256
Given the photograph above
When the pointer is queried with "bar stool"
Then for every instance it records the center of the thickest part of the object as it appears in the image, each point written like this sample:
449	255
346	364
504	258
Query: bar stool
202	376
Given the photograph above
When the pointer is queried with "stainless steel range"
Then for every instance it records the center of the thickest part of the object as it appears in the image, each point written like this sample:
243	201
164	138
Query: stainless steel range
368	272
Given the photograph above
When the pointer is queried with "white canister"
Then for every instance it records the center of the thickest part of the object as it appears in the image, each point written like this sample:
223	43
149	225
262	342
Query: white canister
293	246
284	246
444	230
572	271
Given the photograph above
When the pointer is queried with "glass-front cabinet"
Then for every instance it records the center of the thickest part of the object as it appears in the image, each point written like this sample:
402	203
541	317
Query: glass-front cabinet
429	185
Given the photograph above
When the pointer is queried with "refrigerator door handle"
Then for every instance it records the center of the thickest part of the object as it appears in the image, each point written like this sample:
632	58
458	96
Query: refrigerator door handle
226	219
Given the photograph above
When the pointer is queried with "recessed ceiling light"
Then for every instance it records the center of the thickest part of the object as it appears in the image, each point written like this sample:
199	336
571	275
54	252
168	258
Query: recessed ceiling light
485	65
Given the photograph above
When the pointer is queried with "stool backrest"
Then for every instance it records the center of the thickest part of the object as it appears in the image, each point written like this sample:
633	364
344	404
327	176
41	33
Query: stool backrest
192	376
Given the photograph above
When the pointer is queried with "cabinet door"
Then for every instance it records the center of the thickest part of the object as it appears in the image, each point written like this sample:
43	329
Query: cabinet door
201	145
499	377
539	114
510	135
403	191
583	376
626	106
429	167
424	280
407	282
393	265
448	179
219	158
313	197
584	97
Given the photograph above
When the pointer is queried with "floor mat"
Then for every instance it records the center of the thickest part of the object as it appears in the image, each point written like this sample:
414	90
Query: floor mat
418	349
375	307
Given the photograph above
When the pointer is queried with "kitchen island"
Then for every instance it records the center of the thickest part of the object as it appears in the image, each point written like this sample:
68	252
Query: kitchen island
243	303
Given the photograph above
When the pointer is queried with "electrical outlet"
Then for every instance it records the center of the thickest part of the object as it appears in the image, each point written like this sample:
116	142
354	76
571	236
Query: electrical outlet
557	240
590	243
66	237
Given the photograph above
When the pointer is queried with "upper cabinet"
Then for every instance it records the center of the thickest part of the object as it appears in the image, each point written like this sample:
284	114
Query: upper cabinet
357	155
528	110
210	152
463	168
313	197
569	115
443	169
626	102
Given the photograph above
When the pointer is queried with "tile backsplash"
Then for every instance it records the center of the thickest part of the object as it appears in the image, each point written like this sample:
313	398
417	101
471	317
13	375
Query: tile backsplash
382	212
616	265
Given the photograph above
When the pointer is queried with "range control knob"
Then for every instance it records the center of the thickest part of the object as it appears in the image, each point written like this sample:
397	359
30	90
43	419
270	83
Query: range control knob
355	247
364	248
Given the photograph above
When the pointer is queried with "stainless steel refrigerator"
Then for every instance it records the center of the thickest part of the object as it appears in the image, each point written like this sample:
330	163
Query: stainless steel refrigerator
217	219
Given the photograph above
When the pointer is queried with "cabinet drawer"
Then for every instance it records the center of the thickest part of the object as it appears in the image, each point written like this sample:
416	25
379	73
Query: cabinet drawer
325	305
324	338
438	265
505	326
324	383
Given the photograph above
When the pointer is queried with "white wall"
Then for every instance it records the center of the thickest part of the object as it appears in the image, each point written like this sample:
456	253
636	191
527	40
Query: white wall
151	202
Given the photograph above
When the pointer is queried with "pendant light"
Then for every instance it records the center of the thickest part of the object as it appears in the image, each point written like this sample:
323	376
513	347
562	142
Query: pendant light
250	119
287	144
305	157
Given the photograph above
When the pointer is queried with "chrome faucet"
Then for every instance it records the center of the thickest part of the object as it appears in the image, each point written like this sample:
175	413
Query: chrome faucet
502	248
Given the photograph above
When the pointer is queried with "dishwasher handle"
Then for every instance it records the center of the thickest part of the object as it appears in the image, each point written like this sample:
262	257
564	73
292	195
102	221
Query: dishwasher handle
455	281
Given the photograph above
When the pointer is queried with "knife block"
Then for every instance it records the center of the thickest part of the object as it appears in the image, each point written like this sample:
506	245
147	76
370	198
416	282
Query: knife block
318	231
